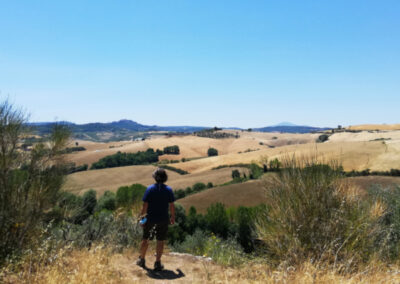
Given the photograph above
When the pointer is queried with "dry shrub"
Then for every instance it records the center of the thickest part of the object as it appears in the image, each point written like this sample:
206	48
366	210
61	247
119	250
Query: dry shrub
67	266
311	216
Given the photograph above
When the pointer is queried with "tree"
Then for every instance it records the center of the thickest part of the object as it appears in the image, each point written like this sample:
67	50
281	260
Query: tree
89	201
174	150
107	201
235	174
217	220
212	152
198	187
29	181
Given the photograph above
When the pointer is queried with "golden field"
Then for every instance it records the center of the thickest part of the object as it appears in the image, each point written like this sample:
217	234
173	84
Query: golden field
379	151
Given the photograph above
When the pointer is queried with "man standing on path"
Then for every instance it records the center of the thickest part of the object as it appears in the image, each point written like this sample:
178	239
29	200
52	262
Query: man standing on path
157	199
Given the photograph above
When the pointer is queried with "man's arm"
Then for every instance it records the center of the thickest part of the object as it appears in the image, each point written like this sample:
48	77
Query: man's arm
172	210
144	208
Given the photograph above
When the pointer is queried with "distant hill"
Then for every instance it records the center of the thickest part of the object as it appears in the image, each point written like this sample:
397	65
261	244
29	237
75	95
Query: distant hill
123	125
291	129
124	128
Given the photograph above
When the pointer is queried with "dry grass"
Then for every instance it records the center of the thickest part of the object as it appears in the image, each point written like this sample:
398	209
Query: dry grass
250	193
374	155
113	178
102	266
375	127
190	146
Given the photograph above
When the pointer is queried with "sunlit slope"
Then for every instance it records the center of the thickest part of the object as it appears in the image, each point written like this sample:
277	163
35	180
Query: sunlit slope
113	178
250	193
374	155
375	127
190	146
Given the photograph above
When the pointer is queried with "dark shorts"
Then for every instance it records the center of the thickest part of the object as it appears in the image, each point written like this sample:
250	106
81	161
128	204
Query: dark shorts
159	230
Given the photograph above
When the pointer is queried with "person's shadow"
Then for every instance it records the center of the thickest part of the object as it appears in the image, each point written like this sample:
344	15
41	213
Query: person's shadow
164	274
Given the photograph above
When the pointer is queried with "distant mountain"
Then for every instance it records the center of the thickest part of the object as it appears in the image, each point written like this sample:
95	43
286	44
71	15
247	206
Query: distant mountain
291	129
285	123
115	126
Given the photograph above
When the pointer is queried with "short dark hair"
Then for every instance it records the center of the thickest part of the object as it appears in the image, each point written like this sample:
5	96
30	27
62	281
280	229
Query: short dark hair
160	175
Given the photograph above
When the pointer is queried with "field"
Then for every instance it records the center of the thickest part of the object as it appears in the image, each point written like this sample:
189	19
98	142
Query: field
112	179
355	151
375	127
252	193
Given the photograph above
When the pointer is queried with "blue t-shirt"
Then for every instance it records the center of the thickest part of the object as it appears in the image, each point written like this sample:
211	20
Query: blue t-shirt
158	196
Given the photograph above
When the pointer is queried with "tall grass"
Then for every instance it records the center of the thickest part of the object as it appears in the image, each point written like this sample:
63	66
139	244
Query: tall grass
311	214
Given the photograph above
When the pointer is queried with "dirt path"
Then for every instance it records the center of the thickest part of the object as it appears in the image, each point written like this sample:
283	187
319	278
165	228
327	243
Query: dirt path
178	268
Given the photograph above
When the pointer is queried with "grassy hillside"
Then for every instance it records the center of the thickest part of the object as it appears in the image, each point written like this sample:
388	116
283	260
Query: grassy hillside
113	178
250	193
375	127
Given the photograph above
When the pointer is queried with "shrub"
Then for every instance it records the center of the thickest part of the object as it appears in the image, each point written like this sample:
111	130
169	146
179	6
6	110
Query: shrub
29	181
310	216
127	159
255	171
245	221
235	174
128	195
210	185
322	138
89	201
180	193
225	252
212	152
174	150
217	220
275	165
199	187
107	201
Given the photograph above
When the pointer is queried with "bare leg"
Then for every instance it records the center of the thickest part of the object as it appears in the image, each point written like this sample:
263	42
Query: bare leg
143	248
159	250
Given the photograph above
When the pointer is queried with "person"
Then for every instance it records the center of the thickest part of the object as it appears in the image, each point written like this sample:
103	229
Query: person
157	199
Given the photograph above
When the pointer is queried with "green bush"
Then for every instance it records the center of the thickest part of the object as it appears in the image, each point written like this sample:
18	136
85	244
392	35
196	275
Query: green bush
89	201
127	159
217	220
107	201
116	231
29	181
212	152
128	195
225	252
172	150
199	187
235	174
180	193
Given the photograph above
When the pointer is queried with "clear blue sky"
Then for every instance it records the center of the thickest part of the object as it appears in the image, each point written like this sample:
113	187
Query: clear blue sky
225	63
